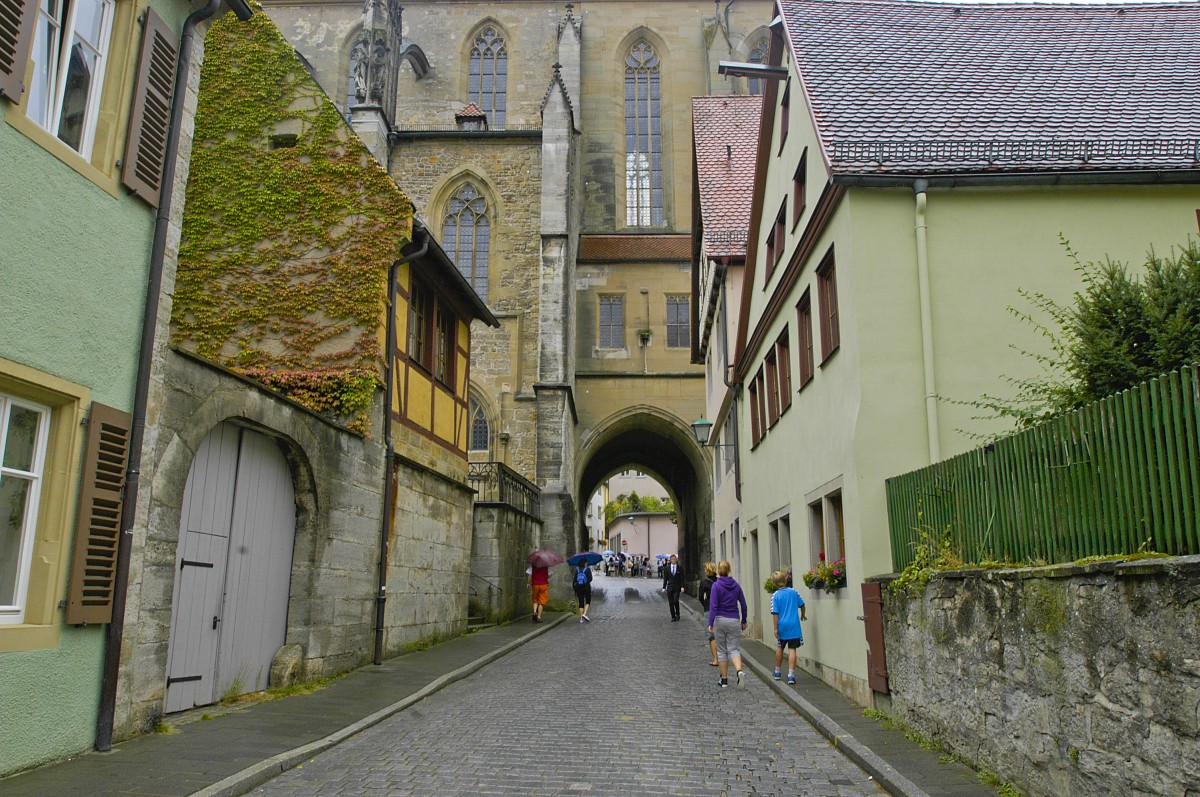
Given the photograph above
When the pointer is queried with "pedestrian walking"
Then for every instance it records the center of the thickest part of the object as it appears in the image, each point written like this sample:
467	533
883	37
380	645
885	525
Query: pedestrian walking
725	601
710	575
539	587
673	585
583	589
787	610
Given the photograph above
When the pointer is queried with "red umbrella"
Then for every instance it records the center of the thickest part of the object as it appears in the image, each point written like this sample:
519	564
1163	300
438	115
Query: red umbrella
544	558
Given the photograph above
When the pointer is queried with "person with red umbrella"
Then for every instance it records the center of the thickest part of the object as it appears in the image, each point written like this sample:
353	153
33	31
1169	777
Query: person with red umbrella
540	562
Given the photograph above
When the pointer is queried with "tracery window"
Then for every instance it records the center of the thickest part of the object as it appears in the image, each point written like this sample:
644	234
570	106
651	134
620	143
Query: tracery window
466	232
758	55
643	138
488	86
480	428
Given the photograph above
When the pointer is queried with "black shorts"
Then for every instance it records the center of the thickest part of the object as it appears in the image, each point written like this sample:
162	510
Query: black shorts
794	644
583	594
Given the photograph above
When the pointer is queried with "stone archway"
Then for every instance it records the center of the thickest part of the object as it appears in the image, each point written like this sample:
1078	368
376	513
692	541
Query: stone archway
662	445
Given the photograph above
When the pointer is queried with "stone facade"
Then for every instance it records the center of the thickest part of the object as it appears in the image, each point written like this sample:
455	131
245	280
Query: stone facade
1068	680
338	478
503	538
551	172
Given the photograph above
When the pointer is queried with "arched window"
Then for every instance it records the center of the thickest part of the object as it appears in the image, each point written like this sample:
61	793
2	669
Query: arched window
758	55
643	138
465	235
488	86
480	435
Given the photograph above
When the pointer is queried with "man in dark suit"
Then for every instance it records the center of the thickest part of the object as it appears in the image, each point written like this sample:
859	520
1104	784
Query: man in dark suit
673	585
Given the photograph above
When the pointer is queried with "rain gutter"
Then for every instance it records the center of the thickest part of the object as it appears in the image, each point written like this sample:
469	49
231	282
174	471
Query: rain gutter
921	189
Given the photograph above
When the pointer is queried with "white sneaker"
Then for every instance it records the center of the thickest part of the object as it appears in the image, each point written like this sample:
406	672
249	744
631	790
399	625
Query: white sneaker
581	619
741	678
587	619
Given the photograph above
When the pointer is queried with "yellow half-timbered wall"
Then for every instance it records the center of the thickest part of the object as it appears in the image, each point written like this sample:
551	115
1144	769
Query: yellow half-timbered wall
429	406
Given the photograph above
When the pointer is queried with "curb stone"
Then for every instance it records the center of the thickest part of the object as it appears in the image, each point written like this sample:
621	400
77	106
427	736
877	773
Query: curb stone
257	774
884	773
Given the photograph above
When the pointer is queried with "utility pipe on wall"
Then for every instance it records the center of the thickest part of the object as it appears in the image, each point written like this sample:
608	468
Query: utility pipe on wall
921	188
389	479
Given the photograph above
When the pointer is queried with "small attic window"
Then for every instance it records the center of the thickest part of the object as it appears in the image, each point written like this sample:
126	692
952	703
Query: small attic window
283	140
471	118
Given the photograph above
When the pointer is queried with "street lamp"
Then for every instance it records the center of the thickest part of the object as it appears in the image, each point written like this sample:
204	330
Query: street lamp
701	429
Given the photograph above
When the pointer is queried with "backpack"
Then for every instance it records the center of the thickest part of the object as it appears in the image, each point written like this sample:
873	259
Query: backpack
581	576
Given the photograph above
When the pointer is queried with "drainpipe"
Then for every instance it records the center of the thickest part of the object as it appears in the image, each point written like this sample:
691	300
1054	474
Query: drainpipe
921	188
141	393
389	484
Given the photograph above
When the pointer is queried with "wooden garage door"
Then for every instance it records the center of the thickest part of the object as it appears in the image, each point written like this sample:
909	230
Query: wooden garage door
233	569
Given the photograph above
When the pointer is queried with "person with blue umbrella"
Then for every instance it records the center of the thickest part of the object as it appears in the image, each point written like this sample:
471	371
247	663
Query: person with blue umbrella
582	582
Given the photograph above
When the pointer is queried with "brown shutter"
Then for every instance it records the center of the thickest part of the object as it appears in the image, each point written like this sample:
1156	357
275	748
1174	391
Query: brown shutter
877	674
150	119
17	19
94	569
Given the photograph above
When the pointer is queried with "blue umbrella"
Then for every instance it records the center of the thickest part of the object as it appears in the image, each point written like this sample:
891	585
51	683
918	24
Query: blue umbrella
607	553
661	556
588	556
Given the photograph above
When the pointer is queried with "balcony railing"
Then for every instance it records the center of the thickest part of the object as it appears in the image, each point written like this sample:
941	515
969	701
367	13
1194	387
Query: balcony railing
496	483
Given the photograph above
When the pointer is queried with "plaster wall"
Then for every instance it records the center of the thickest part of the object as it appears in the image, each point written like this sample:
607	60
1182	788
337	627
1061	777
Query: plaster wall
73	264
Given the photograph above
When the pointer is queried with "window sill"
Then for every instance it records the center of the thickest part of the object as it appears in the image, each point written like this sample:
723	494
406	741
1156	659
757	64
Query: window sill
829	356
20	637
42	137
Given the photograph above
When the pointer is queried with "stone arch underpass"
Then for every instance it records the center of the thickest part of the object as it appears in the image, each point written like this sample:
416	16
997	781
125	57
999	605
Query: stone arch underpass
661	445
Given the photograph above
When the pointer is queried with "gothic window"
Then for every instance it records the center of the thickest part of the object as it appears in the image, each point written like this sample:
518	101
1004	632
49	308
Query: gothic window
643	138
465	235
758	55
488	86
612	322
480	428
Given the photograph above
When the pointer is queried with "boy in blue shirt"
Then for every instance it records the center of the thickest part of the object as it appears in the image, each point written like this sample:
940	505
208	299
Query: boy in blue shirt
787	610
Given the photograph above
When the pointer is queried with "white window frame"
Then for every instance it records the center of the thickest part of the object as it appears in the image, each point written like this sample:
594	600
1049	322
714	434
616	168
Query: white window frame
14	613
60	29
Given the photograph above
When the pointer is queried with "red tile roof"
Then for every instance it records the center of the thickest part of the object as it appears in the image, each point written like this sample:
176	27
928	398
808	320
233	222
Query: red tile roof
725	133
634	248
934	87
470	111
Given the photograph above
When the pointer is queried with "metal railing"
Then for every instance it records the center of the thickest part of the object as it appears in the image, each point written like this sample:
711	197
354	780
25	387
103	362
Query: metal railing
1102	480
495	482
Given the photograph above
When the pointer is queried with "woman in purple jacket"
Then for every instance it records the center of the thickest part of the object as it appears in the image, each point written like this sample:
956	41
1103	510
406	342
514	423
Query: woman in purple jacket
723	622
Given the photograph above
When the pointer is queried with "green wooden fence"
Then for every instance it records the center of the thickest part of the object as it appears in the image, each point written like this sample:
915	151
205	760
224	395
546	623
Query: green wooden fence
1102	480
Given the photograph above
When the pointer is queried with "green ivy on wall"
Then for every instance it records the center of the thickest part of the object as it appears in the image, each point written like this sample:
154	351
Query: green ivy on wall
289	229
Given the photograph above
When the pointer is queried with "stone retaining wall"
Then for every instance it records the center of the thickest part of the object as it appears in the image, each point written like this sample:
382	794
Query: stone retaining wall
1067	680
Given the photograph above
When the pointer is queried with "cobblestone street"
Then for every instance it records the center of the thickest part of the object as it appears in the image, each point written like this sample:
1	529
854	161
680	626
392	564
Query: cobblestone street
624	705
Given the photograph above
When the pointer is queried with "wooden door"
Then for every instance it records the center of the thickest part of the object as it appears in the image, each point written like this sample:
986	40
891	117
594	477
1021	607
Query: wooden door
200	564
229	614
263	527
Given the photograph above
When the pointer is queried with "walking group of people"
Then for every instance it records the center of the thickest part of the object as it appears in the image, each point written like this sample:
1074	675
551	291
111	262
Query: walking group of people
721	595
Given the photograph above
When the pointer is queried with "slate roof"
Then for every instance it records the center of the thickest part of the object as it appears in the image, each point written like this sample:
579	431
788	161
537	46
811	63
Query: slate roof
920	87
725	135
634	248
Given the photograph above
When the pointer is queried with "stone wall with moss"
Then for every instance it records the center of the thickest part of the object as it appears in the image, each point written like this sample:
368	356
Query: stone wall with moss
1066	680
289	229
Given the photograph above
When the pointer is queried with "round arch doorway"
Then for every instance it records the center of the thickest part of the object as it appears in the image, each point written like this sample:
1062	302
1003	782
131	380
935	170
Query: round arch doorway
662	446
